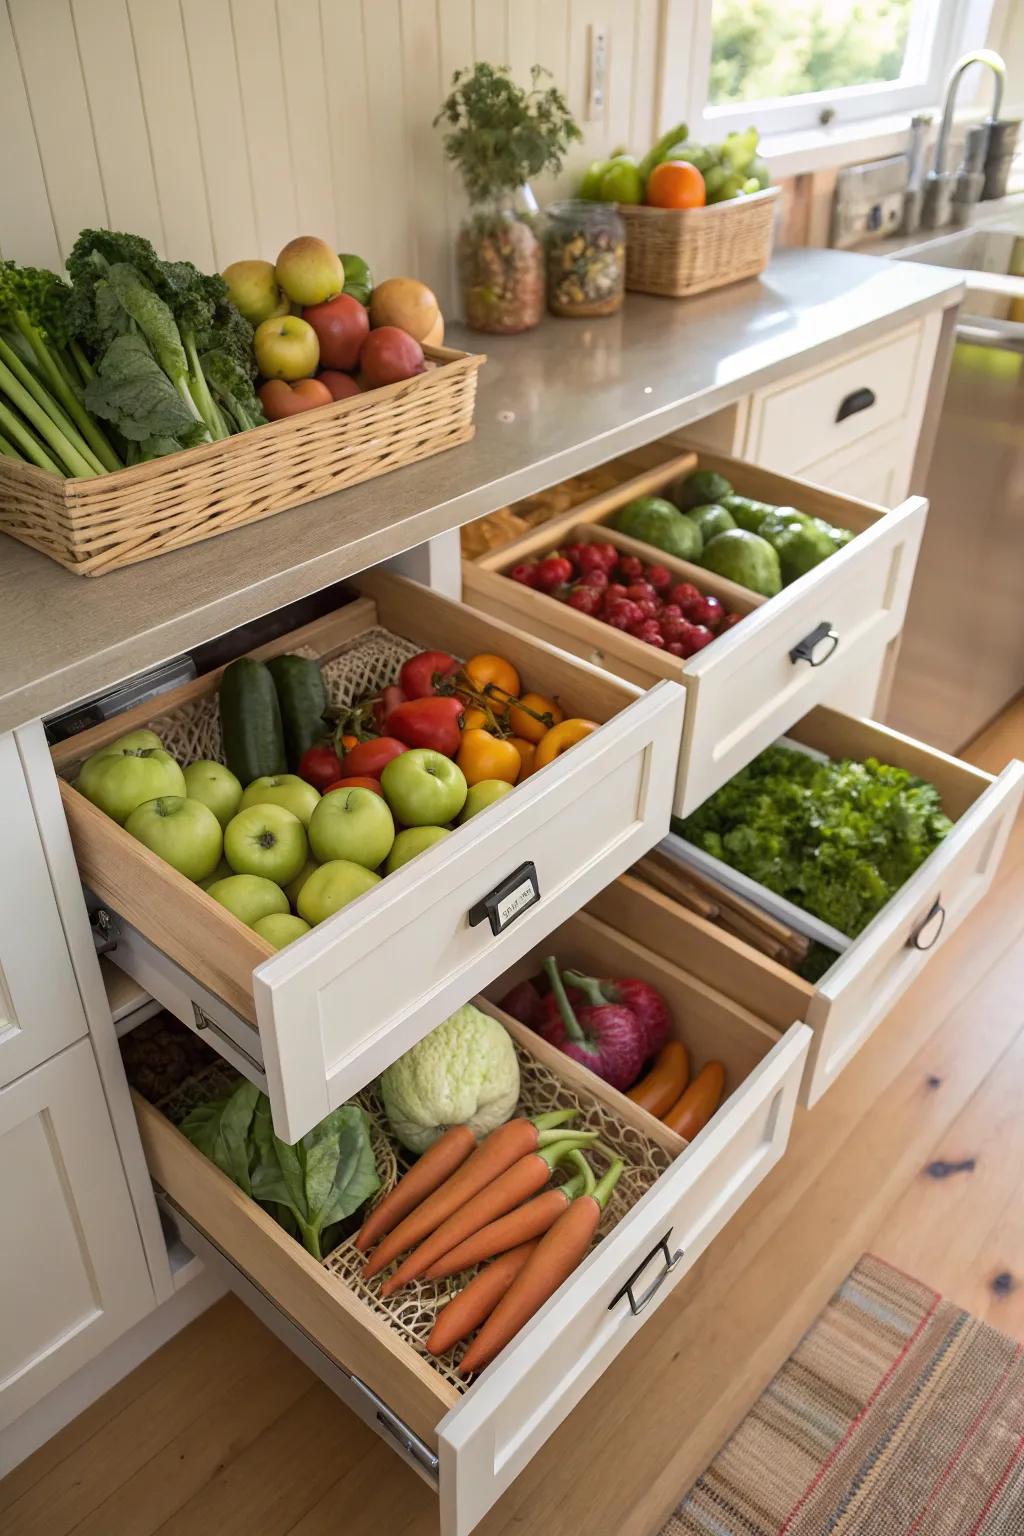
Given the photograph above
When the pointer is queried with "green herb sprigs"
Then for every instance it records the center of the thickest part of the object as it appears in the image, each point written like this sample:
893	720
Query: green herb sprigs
309	1187
837	839
499	135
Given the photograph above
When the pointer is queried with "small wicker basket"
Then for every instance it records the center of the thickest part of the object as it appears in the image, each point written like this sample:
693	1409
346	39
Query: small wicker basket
681	251
94	526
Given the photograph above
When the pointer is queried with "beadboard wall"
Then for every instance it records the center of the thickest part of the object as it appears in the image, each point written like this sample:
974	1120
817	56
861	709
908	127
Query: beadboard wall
221	128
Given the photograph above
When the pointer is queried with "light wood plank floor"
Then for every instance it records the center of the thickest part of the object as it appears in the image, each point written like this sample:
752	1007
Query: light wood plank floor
224	1431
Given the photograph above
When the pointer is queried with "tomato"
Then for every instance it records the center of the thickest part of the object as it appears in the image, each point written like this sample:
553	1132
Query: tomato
319	765
676	184
560	738
522	719
421	674
382	707
495	677
527	752
475	719
483	756
368	759
362	782
435	723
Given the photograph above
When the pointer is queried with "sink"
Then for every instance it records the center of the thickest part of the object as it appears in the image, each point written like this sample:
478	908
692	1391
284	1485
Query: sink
998	250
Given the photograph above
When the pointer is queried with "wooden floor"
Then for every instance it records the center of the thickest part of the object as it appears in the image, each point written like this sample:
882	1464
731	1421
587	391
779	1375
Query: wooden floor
224	1432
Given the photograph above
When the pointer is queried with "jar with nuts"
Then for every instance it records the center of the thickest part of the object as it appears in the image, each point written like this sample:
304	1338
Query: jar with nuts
585	247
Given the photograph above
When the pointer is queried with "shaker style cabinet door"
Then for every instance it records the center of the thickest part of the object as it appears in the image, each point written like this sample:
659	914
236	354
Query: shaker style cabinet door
40	1008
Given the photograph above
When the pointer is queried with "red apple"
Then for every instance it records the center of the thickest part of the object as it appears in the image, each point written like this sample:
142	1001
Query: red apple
280	399
341	385
389	356
341	325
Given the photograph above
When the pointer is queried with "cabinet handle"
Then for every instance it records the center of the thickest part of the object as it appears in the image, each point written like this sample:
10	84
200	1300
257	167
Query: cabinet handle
508	901
638	1303
856	400
926	934
817	647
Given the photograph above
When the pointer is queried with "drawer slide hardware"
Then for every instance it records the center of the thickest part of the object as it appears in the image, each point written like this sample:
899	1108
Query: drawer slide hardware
638	1303
817	647
105	930
204	1021
509	900
926	934
397	1429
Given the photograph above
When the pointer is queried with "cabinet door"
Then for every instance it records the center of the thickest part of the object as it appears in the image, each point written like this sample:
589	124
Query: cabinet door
74	1275
40	1008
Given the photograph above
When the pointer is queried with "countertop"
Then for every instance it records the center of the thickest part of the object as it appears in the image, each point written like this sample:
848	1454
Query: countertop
552	403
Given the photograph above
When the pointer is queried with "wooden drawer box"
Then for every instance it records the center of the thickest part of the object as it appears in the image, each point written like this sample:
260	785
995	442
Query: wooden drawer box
750	684
852	998
319	1019
485	1434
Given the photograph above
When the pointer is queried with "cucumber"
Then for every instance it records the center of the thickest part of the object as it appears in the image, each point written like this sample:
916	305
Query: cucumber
250	721
303	698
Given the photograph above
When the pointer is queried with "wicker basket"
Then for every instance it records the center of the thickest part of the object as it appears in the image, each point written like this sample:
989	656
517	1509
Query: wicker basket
94	526
680	251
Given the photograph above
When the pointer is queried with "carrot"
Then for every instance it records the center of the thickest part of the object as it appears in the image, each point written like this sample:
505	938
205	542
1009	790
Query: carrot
666	1080
477	1300
511	1231
692	1112
495	1153
503	1194
426	1174
556	1256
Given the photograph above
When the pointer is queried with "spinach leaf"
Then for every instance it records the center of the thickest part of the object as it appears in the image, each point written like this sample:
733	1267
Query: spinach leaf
221	1131
323	1178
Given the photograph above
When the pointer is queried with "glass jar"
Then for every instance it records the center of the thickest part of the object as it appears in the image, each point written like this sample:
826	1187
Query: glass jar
585	247
501	268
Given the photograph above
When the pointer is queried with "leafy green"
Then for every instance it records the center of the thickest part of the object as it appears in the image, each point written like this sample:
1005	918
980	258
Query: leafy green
132	390
309	1187
836	838
499	135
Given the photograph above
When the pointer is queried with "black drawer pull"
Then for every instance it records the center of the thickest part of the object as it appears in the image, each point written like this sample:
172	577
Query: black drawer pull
509	900
926	934
817	647
856	400
638	1303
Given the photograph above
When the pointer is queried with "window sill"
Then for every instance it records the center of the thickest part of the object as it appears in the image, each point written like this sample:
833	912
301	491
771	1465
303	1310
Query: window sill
816	149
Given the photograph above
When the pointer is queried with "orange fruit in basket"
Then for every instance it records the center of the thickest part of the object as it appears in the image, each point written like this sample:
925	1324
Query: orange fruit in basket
676	184
483	756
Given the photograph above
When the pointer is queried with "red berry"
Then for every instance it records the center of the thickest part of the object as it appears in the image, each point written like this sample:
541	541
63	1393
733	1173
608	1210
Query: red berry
639	589
624	615
699	637
712	613
572	552
685	594
675	627
650	634
649	606
605	555
675	648
584	599
660	577
672	611
597	579
630	568
525	573
614	592
553	571
731	619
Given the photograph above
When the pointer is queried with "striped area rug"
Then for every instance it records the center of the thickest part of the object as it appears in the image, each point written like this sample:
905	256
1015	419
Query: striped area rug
898	1415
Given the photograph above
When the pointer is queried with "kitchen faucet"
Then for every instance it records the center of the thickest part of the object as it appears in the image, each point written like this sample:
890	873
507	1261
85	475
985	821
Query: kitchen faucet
940	184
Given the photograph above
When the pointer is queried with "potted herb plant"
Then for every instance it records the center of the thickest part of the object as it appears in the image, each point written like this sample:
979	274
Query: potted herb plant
499	135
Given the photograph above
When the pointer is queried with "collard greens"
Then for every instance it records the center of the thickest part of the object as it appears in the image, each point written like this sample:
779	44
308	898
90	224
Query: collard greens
837	839
308	1187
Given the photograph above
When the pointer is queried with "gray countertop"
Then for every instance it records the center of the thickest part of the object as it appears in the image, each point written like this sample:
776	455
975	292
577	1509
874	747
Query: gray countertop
552	403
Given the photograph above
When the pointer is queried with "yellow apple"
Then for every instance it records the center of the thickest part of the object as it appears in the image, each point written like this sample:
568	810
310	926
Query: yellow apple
252	288
309	271
286	347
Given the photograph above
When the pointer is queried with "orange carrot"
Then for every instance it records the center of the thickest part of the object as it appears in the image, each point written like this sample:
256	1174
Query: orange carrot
495	1153
426	1174
666	1080
477	1300
692	1112
503	1194
510	1231
556	1256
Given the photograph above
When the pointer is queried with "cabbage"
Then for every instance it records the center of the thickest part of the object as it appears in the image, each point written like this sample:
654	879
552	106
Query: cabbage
465	1072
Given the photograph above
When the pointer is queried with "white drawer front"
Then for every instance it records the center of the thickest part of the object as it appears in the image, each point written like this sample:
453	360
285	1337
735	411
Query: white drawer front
877	469
746	690
861	988
338	1008
507	1415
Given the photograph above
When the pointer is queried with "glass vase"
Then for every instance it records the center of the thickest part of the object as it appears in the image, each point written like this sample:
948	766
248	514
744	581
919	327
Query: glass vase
501	266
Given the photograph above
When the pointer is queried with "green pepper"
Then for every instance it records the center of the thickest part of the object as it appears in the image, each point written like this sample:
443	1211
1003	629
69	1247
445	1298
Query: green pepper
358	277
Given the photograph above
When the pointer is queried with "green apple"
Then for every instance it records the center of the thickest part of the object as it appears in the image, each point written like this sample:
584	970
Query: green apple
333	886
285	789
252	288
411	842
309	271
119	780
222	872
249	897
133	740
482	795
184	833
293	887
352	824
424	788
286	348
280	928
216	786
266	840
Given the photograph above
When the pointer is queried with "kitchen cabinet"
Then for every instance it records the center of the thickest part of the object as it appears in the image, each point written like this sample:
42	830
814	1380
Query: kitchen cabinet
74	1277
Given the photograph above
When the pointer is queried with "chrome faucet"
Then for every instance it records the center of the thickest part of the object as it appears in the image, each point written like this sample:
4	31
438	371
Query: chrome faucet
940	184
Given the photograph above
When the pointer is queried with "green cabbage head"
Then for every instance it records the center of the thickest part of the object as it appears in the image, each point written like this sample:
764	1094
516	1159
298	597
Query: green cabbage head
465	1072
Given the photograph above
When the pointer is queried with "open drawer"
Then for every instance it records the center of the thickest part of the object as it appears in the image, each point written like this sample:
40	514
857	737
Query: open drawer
788	653
678	1197
863	984
316	1021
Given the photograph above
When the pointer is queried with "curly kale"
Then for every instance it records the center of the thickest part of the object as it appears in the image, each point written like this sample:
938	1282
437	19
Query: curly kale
836	838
